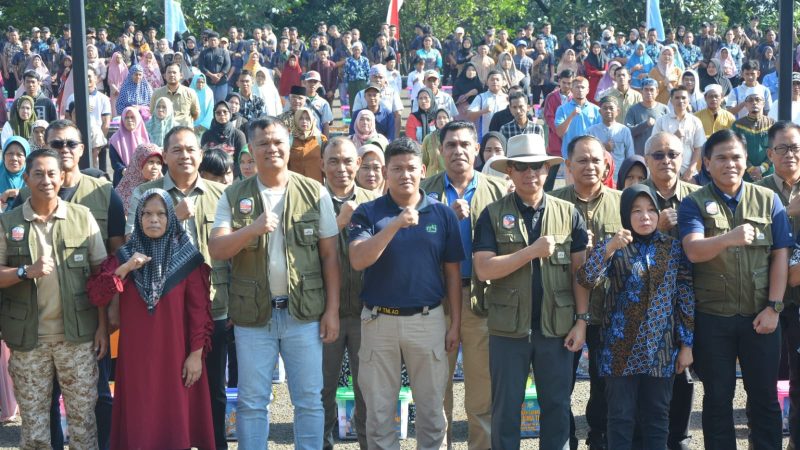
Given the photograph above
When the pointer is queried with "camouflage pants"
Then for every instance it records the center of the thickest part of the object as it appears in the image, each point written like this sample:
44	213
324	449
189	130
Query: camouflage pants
32	373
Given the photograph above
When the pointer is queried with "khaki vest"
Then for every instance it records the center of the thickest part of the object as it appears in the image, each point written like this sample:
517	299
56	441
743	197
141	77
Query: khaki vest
250	297
19	311
205	208
93	193
682	190
604	222
351	280
792	295
489	189
509	299
736	282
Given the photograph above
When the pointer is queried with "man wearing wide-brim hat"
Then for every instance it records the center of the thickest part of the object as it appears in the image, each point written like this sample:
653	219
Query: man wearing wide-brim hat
529	244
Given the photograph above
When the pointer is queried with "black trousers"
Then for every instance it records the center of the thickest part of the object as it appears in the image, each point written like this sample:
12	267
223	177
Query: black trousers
719	341
597	406
790	329
551	177
216	361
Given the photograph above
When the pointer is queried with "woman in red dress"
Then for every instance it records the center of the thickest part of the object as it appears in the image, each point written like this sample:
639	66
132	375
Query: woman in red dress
161	393
595	65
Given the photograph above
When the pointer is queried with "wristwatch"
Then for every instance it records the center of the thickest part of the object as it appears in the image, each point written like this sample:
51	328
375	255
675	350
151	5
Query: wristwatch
777	305
22	272
586	317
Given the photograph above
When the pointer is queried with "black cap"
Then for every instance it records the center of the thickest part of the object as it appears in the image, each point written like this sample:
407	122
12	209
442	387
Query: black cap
52	40
129	23
66	27
213	34
298	90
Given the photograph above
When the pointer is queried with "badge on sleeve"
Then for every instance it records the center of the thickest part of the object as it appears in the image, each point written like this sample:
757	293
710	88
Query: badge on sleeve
509	221
712	207
246	205
18	233
433	195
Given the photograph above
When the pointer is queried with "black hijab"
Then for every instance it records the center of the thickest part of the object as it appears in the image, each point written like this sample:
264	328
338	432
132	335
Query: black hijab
462	85
492	134
220	132
426	117
600	61
629	195
626	167
706	79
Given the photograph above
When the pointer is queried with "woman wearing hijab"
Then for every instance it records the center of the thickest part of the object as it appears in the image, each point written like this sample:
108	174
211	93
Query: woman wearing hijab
265	88
66	85
117	74
608	82
511	76
364	128
666	73
691	81
290	76
97	63
418	124
305	152
493	143
37	65
161	121
191	52
224	134
135	91
608	173
569	60
152	71
36	141
431	156
465	53
767	62
466	87
205	98
20	120
711	74
239	122
639	65
728	66
165	320
123	143
647	328
15	150
146	164
633	170
253	62
247	164
186	71
595	65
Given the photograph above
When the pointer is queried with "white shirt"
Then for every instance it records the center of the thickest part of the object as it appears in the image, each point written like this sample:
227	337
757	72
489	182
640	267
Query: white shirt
390	99
495	102
273	200
773	111
693	136
739	93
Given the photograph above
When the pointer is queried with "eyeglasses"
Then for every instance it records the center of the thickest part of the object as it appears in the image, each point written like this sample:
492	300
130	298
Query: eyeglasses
658	156
222	112
523	166
58	144
784	149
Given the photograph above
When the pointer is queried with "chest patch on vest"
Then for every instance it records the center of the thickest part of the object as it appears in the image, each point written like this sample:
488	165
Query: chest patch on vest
78	257
308	231
246	205
18	233
433	195
760	236
712	207
509	221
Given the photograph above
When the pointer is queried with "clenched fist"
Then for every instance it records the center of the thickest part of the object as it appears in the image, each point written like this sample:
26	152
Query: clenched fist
461	207
620	240
667	219
742	235
544	247
267	222
408	218
185	209
42	267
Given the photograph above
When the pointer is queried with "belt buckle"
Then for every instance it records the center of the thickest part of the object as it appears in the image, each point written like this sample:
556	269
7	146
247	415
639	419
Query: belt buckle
280	302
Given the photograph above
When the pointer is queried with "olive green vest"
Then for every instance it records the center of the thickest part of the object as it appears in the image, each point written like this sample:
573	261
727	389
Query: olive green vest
205	208
250	295
792	295
682	190
735	282
93	193
489	189
351	280
509	299
19	311
604	221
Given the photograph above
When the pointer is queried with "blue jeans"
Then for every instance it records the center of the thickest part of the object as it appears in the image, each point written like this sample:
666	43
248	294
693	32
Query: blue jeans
220	91
257	350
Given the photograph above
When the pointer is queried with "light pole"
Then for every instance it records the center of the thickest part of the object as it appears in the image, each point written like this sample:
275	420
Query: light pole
77	21
785	60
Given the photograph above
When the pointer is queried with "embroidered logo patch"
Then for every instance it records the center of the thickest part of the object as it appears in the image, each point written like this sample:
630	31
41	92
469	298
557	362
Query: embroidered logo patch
712	208
431	228
78	257
509	221
308	231
17	233
433	195
246	205
760	236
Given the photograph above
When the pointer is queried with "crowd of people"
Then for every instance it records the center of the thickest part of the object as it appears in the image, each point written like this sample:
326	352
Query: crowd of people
541	194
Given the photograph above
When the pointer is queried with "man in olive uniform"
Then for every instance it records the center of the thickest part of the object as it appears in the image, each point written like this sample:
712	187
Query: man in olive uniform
784	152
279	231
529	245
737	235
195	202
468	192
663	153
48	249
599	207
340	162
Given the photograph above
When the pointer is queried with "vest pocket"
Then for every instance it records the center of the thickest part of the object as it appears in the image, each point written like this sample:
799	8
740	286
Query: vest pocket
311	304
306	229
18	255
12	321
77	255
761	287
563	314
503	305
85	314
242	307
238	224
709	290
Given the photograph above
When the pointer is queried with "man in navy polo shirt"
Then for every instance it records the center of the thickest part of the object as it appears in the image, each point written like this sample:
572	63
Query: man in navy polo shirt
409	247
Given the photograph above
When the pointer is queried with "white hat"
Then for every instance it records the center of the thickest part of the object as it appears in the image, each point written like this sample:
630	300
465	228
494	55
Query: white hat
459	30
528	148
713	88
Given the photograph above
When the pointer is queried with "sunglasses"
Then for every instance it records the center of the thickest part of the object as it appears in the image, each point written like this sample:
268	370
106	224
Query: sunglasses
523	166
658	156
58	144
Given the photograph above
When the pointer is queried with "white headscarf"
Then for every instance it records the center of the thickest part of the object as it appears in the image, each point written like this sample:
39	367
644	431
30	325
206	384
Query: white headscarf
268	92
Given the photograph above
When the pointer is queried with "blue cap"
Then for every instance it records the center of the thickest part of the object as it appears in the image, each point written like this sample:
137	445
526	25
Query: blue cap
521	42
648	82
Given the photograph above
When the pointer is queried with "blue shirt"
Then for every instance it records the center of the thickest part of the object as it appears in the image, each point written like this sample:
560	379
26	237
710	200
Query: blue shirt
770	81
409	272
465	224
691	221
589	115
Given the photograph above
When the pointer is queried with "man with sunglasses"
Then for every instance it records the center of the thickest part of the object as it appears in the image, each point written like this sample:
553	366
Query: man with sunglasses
663	154
784	152
102	200
755	129
599	207
529	244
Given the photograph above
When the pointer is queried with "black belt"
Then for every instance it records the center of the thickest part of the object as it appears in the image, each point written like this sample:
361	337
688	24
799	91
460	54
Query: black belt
281	302
389	311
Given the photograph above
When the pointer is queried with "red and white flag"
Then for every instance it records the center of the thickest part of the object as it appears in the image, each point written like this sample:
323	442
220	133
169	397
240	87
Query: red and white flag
393	14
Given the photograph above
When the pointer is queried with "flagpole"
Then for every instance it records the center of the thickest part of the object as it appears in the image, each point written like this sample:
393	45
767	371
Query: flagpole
785	60
77	21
